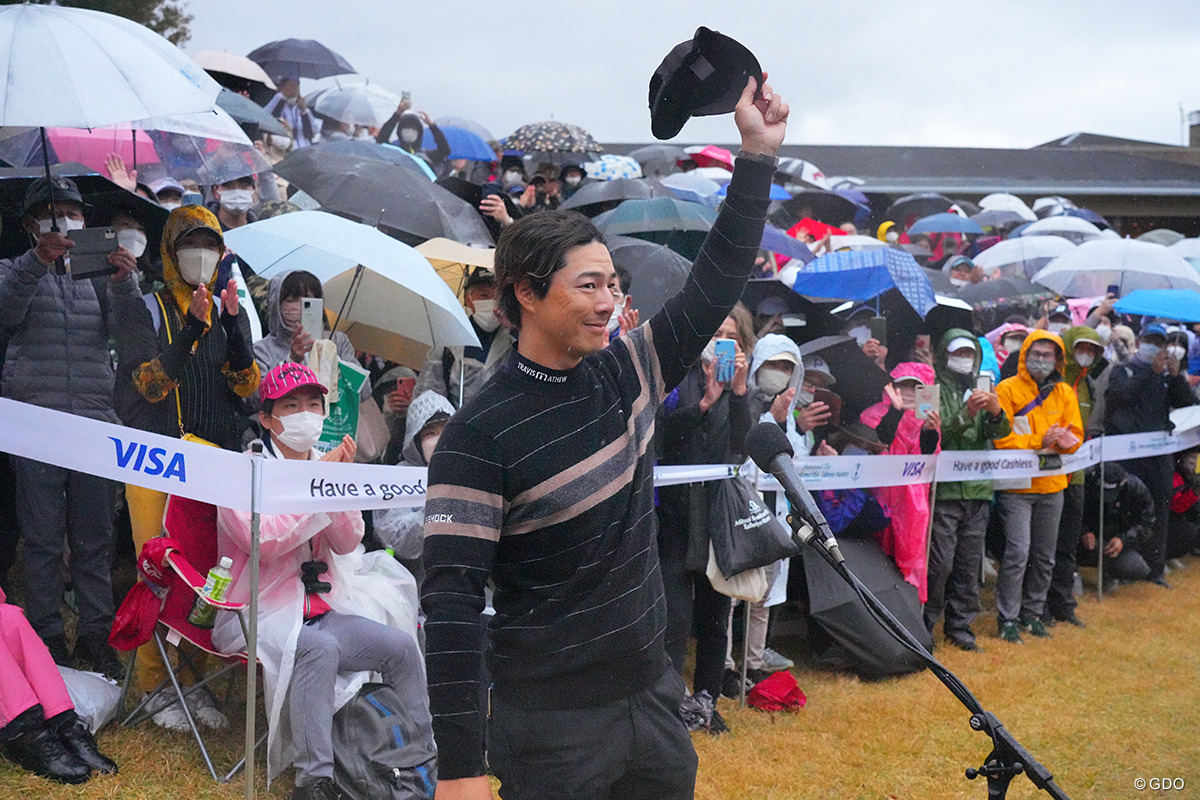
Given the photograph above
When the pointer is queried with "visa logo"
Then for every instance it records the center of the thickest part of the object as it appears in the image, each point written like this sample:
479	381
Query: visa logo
149	460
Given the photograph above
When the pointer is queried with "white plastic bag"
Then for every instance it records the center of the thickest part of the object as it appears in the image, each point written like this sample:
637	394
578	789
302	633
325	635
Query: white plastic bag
95	697
750	585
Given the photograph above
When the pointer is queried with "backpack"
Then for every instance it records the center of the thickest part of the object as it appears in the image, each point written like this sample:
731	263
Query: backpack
379	751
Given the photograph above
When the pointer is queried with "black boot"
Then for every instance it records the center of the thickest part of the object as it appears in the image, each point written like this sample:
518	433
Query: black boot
97	655
57	645
75	735
320	789
43	754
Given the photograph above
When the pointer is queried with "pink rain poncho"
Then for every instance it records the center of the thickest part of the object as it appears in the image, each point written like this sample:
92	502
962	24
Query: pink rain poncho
905	539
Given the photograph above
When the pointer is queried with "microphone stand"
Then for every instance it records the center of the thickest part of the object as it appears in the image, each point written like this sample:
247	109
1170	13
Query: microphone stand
1008	758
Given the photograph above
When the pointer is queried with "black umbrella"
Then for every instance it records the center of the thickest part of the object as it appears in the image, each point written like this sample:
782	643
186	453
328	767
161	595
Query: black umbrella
860	381
301	58
657	272
859	642
595	198
407	205
914	206
658	159
247	112
373	150
1002	291
102	197
828	207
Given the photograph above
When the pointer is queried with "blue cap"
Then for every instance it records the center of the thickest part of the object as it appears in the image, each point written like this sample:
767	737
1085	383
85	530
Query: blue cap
1154	330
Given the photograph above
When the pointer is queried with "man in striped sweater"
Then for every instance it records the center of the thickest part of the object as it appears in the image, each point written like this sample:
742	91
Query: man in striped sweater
544	483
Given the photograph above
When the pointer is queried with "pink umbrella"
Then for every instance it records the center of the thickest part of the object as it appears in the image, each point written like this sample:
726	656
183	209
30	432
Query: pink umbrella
91	148
712	156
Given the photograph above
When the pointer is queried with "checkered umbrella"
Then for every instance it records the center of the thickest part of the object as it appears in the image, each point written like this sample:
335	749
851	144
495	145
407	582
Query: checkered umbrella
552	137
864	274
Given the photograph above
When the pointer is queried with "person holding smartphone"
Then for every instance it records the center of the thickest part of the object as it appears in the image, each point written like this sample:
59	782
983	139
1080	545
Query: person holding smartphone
58	358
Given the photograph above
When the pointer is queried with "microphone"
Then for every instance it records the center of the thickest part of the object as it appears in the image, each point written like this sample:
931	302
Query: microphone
769	448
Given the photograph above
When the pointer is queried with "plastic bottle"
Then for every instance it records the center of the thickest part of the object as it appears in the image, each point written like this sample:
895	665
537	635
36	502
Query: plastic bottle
219	577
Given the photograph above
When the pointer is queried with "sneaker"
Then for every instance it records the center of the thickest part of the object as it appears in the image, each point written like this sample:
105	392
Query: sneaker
167	713
204	710
43	754
99	657
716	724
78	739
774	662
1069	617
1048	620
731	684
320	789
1177	564
1034	627
1010	632
57	645
1160	581
964	644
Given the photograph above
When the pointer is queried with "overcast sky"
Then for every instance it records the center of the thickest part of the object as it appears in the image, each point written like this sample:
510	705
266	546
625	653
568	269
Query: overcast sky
984	73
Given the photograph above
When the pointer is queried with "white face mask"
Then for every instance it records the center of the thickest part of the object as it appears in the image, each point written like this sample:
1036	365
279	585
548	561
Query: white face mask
1012	345
291	101
1176	352
573	180
197	264
170	205
237	201
1039	368
804	398
958	282
1104	331
132	240
1057	327
485	315
512	177
409	136
1085	360
300	430
861	334
614	320
963	365
64	224
772	381
1147	351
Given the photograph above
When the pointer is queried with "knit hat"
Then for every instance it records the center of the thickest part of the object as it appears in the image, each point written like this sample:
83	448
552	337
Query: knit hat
287	378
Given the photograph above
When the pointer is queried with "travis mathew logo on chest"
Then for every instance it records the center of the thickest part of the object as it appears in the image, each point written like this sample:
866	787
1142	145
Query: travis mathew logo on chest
538	375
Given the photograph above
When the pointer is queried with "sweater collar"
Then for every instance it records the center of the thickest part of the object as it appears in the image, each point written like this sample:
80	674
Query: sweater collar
535	378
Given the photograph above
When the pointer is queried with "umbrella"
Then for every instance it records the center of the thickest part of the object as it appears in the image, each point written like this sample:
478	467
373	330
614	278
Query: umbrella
1023	256
915	206
1072	228
301	58
1187	248
856	242
802	171
711	156
780	242
858	641
466	125
1003	201
452	261
609	167
1090	268
245	111
552	136
657	272
680	225
1181	305
997	218
692	187
863	275
594	198
659	159
945	222
1002	291
224	63
826	206
1164	236
365	104
860	381
1088	214
777	192
463	144
388	298
414	208
361	148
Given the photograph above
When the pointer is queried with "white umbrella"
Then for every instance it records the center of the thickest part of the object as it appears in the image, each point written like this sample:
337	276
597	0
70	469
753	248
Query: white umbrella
396	306
362	104
1076	229
855	242
1089	269
1003	201
1023	256
1186	248
232	64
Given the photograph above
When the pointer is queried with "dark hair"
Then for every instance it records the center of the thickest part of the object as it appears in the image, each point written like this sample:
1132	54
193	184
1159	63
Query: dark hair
535	247
300	284
624	278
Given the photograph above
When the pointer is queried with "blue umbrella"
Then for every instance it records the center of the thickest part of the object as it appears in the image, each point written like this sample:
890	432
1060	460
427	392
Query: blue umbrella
945	222
463	144
1182	305
777	241
863	274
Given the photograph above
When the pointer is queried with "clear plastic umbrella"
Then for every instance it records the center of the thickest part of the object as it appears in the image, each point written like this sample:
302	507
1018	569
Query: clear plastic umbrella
1089	269
362	104
1075	229
1022	256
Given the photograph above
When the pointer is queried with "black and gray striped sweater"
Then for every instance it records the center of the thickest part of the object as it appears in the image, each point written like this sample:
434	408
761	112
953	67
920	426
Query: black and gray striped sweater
544	482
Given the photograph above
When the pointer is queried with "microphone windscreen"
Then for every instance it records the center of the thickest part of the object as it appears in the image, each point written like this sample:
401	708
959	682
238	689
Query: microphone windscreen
765	441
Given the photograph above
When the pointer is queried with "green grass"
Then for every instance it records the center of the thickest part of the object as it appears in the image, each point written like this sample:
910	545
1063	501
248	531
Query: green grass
1099	707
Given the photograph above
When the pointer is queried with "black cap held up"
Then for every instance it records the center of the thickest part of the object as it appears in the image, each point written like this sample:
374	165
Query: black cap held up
700	77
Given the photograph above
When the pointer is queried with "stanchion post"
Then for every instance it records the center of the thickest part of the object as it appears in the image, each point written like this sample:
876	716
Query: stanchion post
1100	535
256	462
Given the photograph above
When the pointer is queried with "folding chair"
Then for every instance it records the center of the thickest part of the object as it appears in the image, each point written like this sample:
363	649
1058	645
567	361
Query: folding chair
174	568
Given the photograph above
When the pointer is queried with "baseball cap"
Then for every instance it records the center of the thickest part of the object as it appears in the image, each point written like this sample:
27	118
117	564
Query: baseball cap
700	77
287	378
783	355
1060	310
166	183
818	364
480	276
959	343
1153	330
38	193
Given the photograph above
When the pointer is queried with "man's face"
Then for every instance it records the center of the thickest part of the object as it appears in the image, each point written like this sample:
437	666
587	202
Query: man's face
1088	348
65	209
813	381
1042	351
306	398
236	183
573	316
480	291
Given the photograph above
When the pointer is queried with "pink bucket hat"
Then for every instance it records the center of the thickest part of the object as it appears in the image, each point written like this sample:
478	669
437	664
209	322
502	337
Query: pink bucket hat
287	378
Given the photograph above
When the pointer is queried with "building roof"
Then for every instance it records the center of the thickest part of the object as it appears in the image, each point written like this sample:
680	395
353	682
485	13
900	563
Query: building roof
1084	140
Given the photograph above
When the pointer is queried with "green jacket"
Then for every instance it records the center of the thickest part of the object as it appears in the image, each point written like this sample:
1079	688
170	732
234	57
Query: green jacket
1079	378
959	430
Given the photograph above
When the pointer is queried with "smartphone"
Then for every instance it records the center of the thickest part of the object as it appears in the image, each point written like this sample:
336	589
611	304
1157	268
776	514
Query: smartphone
312	317
984	383
878	326
1113	288
89	256
726	353
928	400
834	401
406	95
405	386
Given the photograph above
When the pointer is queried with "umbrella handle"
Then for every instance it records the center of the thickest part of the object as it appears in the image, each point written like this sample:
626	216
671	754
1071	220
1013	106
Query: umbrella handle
60	265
